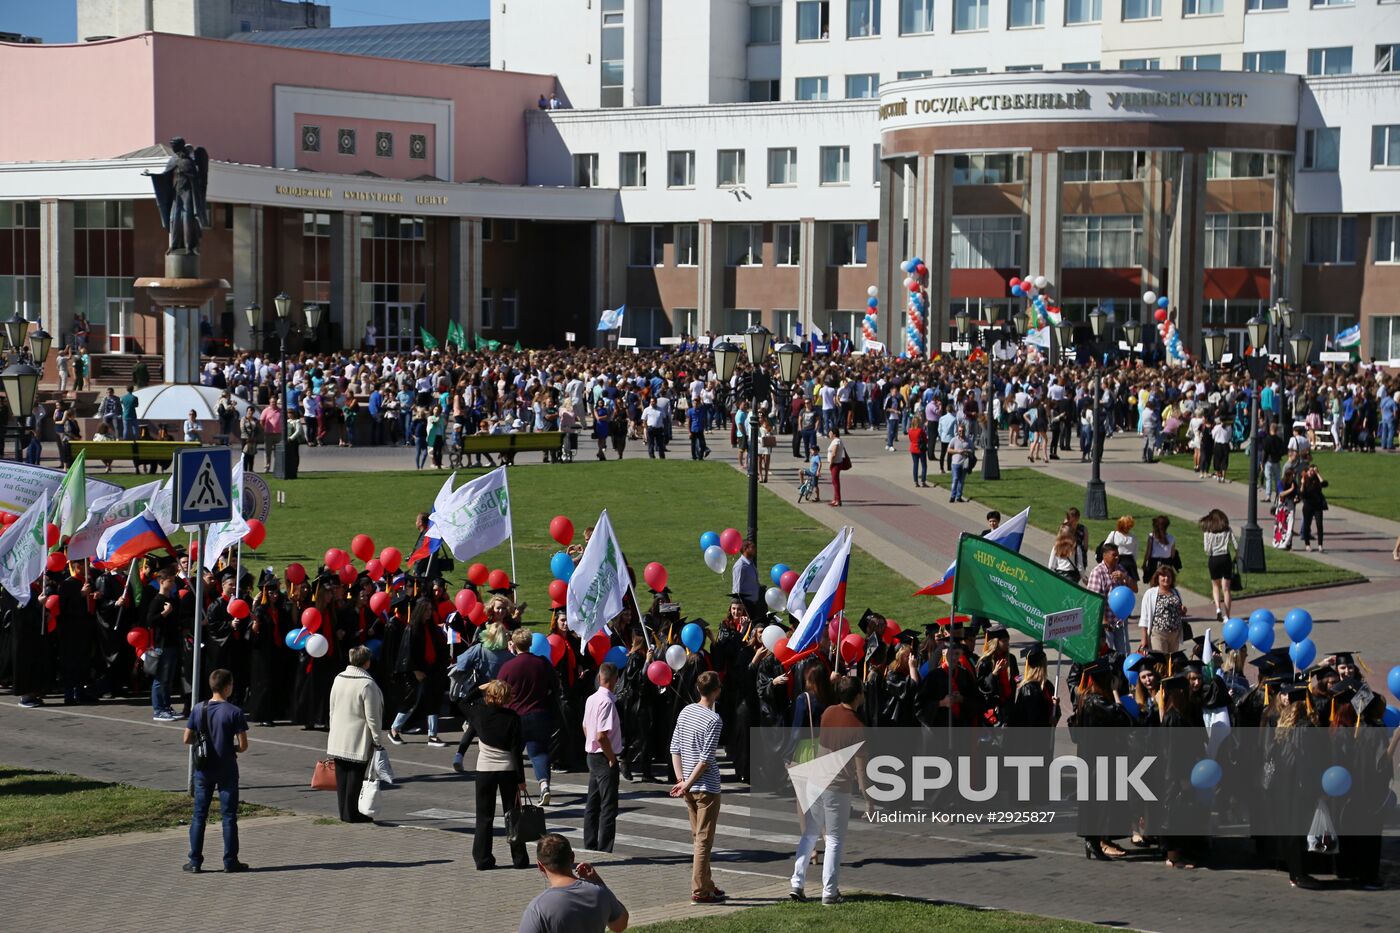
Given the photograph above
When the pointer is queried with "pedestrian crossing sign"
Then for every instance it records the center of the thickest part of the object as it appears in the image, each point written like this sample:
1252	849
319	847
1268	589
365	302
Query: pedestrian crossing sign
203	486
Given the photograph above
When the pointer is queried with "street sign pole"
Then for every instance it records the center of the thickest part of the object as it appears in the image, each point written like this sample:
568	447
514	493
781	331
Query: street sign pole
198	637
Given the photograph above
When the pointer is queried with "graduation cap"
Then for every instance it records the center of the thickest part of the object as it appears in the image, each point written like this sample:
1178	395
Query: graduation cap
1362	697
506	590
1273	663
1320	669
908	637
1348	657
997	630
1034	653
1100	671
267	578
1176	661
1176	682
1150	659
868	621
1296	693
1344	691
935	631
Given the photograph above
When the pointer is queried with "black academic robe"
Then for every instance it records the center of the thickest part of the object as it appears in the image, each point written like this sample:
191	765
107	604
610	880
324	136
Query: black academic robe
271	664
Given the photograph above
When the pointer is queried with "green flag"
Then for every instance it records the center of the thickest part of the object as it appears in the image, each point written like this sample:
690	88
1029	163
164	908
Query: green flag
493	345
429	341
70	499
996	582
455	335
480	343
518	347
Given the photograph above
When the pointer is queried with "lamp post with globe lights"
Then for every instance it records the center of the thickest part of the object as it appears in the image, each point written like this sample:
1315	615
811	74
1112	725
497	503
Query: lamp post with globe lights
283	328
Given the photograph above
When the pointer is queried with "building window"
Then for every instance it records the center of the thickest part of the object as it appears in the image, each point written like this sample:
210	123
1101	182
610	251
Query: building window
685	321
787	244
970	15
862	18
1385	337
417	146
1200	63
730	170
744	245
1222	164
613	55
1239	240
813	20
915	17
836	165
395	259
1142	9
906	75
1331	240
812	88
1080	66
1014	69
345	142
847	244
384	145
766	24
876	164
977	70
1078	12
1321	148
1387	58
1265	6
1387	240
862	86
680	169
986	242
487	229
632	169
647	325
782	167
741	319
104	260
1202	7
648	246
1022	14
1385	146
310	139
766	91
509	303
785	325
686	236
1264	61
488	310
1104	165
509	230
1333	61
1325	3
988	168
1102	241
586	170
1140	64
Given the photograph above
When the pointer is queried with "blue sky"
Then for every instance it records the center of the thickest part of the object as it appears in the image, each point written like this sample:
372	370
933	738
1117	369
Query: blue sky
56	20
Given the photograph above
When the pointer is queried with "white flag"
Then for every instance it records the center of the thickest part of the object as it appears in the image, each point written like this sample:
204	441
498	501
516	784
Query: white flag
599	584
106	512
813	576
23	550
229	533
476	517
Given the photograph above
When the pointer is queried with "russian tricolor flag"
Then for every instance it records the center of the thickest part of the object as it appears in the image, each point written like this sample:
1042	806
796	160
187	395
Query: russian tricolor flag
829	600
1008	534
428	545
121	544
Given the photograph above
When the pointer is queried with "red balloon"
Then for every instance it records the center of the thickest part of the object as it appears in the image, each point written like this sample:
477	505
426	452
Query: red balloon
557	647
139	638
51	534
921	269
194	551
379	603
335	559
659	673
362	546
8	518
730	541
57	561
464	601
347	574
296	574
890	633
837	629
561	530
599	646
375	569
913	286
311	619
478	574
444	609
655	575
498	580
1160	314
787	581
238	608
257	533
478	614
52	603
781	651
558	593
852	647
391	558
1014	281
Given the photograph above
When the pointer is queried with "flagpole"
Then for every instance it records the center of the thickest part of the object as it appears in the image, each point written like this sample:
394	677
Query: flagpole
641	619
505	477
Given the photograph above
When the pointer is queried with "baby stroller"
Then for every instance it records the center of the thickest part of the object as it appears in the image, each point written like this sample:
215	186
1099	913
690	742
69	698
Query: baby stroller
810	487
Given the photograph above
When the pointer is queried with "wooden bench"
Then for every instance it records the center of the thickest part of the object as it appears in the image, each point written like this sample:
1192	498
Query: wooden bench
508	445
140	453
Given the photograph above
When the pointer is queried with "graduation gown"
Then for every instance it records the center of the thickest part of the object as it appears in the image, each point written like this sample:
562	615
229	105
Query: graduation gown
271	665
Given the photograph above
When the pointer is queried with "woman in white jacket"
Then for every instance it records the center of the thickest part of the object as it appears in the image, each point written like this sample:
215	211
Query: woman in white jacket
356	710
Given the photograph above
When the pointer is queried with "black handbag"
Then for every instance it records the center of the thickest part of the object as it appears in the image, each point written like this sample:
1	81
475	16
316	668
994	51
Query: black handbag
201	742
526	822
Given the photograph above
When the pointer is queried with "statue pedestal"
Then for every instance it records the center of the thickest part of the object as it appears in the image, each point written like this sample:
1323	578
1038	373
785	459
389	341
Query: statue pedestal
182	265
181	299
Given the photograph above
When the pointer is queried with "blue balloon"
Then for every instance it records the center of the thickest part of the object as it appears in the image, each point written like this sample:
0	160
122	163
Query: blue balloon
1206	774
1264	616
1121	601
562	566
1018	291
1236	633
1128	662
294	637
616	656
1130	703
1392	680
692	636
1303	652
1336	781
374	645
1261	632
1298	624
872	302
539	645
1163	302
1391	717
708	540
776	573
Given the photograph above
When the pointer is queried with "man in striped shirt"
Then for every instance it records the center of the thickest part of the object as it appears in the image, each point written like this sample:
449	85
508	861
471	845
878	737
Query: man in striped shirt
693	761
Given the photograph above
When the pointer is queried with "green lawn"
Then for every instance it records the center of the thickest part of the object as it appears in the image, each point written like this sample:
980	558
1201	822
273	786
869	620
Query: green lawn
1361	482
658	510
46	806
1049	497
868	913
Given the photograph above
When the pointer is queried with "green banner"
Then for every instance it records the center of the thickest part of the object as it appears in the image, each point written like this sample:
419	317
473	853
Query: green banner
429	341
997	582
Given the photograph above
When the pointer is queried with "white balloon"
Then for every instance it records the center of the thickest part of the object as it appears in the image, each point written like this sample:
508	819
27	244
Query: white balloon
908	280
714	558
1041	281
317	646
675	657
775	598
1149	298
906	266
872	291
772	635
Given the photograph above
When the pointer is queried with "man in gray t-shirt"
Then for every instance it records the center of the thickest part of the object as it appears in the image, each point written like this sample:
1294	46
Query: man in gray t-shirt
573	903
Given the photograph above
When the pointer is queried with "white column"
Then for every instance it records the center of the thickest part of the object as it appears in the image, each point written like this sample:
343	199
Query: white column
248	271
466	274
56	268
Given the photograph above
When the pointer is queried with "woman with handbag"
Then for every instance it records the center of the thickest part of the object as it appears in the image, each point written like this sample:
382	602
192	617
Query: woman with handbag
500	769
356	709
1161	548
1218	538
840	461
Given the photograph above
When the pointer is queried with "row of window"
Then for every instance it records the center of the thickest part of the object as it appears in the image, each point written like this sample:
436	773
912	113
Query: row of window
743	244
731	168
347	142
917	17
1331	239
1322	147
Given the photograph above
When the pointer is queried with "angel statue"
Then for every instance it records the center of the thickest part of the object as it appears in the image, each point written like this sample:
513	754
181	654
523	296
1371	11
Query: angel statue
180	194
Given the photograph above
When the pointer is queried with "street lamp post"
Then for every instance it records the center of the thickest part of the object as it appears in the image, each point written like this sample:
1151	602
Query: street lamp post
21	379
1095	495
283	328
755	387
1251	555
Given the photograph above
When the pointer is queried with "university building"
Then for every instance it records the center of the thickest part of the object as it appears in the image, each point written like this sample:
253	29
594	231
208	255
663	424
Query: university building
719	163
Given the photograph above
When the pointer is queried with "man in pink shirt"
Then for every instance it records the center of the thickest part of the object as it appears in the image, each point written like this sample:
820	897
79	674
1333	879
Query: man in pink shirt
602	741
271	420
